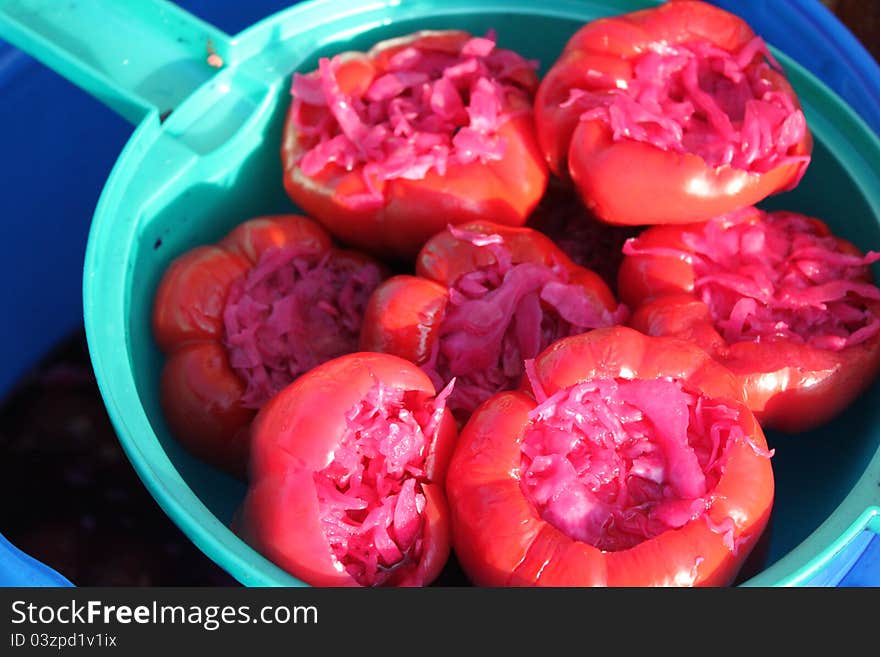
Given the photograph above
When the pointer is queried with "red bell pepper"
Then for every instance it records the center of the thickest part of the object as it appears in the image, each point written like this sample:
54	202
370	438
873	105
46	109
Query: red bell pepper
484	299
241	319
775	297
671	115
627	460
389	146
347	472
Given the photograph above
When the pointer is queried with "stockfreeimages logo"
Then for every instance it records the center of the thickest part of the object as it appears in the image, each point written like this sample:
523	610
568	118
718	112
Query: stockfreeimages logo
209	617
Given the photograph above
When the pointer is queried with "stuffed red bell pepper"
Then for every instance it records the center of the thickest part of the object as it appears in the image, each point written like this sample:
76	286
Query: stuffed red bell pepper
627	460
389	146
485	298
776	297
673	114
241	319
347	472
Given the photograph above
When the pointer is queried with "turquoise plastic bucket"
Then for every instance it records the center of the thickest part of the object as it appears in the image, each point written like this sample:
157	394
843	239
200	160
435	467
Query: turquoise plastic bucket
205	157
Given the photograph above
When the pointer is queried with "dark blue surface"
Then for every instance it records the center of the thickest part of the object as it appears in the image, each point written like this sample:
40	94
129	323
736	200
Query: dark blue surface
59	146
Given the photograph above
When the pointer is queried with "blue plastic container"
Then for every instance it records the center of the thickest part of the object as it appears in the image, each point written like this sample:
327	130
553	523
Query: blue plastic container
61	145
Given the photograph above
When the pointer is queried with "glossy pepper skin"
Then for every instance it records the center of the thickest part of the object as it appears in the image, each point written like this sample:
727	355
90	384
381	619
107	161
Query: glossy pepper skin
413	210
201	395
291	442
405	313
789	386
634	183
500	539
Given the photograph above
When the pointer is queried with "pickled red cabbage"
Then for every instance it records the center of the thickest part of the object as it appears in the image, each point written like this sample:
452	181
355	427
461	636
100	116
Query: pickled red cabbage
780	278
291	313
370	496
428	110
698	98
502	314
615	462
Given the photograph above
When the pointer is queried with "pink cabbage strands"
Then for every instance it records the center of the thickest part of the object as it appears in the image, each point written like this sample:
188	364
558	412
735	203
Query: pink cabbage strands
428	110
291	313
698	98
370	495
501	315
779	279
615	462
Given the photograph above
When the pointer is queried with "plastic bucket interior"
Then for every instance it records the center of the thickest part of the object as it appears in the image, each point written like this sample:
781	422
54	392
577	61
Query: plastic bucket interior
187	177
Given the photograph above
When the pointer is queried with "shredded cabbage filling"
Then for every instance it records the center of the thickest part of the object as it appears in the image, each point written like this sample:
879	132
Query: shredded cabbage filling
428	110
502	314
698	98
290	313
615	462
370	496
779	279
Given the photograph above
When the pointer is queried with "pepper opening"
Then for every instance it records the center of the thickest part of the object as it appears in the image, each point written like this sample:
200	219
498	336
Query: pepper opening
615	462
502	314
781	278
428	109
701	99
370	496
290	313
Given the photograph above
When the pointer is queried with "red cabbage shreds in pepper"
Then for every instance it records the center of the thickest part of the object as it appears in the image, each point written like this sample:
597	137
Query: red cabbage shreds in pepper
485	299
241	319
389	146
626	460
674	114
778	299
347	473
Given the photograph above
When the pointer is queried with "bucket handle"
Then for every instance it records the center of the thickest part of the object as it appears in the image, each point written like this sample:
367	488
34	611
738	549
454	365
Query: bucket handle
139	57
